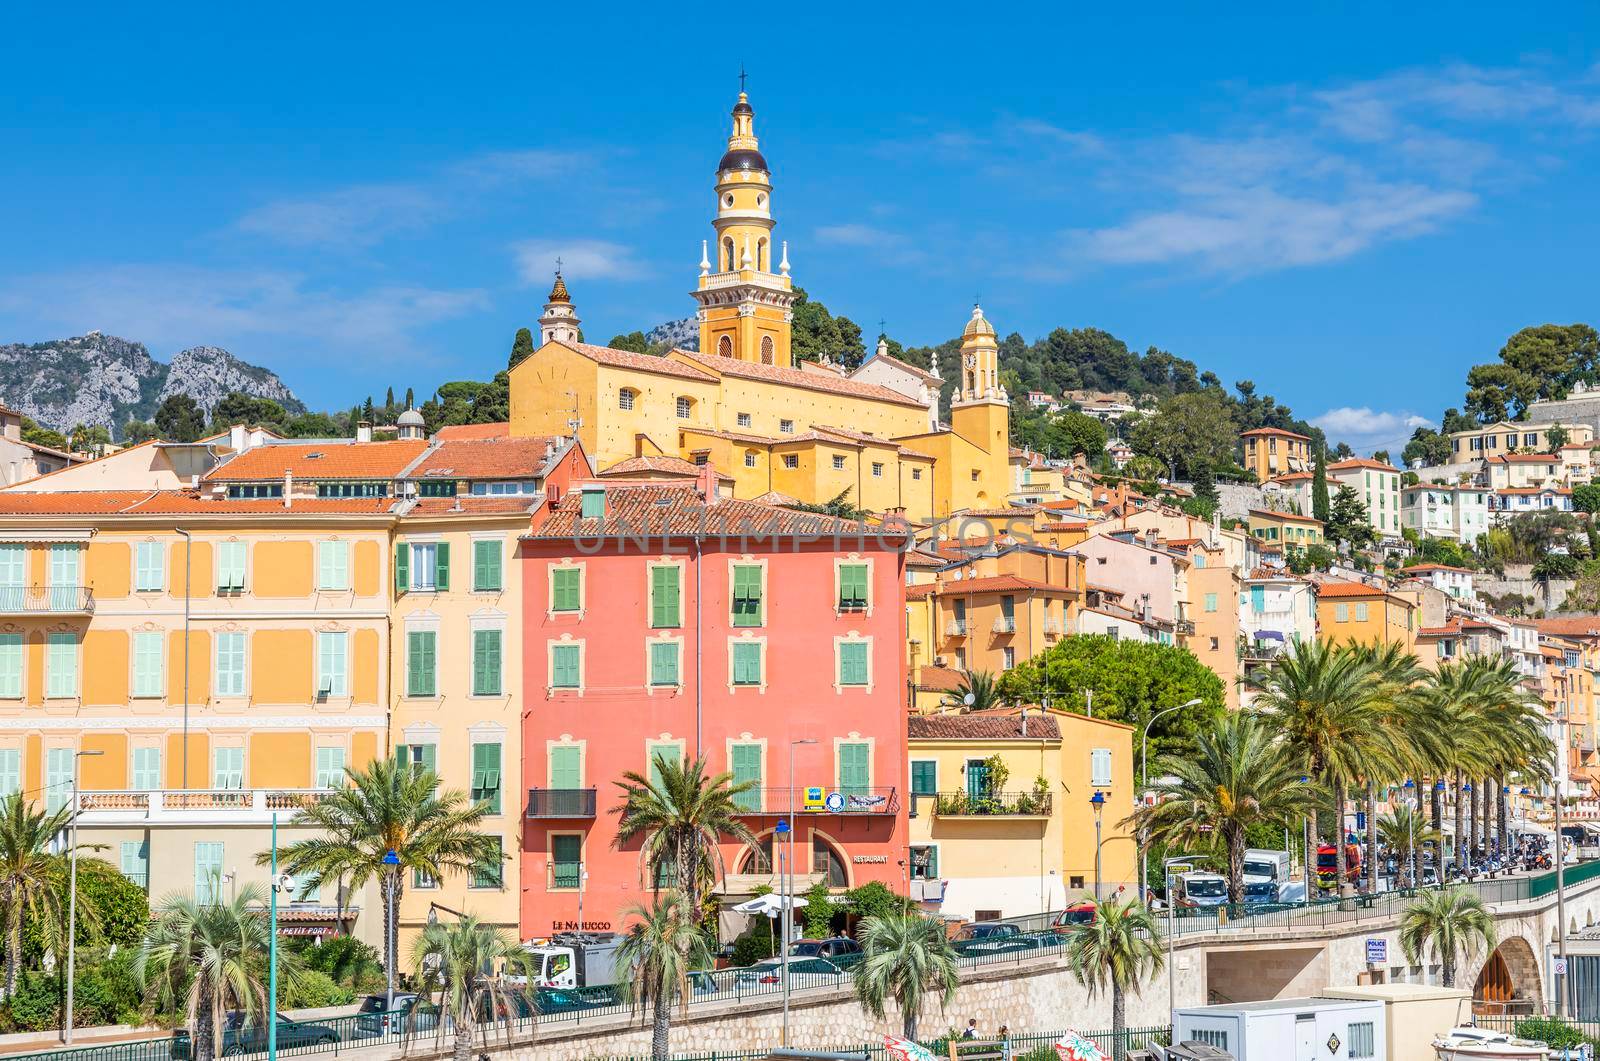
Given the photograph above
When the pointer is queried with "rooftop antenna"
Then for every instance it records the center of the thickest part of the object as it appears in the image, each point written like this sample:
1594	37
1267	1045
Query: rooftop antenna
575	421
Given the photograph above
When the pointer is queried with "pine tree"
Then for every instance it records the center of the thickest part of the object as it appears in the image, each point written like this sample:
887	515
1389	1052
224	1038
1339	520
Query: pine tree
521	347
1319	486
410	399
388	398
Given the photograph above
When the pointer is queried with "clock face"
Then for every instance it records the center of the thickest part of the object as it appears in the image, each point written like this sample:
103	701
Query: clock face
971	360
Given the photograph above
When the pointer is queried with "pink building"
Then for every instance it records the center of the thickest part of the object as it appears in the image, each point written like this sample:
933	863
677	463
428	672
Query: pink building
661	623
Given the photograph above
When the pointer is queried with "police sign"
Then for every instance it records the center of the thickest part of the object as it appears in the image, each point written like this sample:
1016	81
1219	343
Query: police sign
1377	951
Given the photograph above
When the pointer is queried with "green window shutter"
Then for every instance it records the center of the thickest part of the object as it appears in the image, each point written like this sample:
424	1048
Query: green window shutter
486	775
852	587
420	662
669	752
430	757
488	873
402	567
486	668
664	663
747	604
566	767
565	592
566	860
855	771
924	777
11	666
10	771
564	670
664	596
933	863
747	769
441	566
853	663
747	663
486	565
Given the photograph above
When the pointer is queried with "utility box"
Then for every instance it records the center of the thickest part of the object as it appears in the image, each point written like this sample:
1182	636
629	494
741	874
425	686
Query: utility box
1290	1029
1414	1013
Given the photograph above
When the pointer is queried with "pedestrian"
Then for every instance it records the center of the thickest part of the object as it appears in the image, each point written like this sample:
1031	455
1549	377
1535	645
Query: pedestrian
972	1029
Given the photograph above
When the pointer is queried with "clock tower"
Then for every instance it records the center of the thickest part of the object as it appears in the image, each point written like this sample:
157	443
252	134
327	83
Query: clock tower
980	409
744	298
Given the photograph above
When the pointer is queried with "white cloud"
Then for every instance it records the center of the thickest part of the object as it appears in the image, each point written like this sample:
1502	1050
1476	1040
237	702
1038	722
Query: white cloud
358	216
582	259
1366	429
169	307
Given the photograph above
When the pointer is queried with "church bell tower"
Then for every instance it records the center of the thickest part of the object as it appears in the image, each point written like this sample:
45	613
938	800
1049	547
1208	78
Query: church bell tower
744	297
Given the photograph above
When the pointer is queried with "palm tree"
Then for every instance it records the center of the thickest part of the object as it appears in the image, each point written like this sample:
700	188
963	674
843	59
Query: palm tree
682	813
1405	830
1238	776
389	807
1322	700
209	959
905	957
981	686
1398	676
1119	948
660	948
458	960
1451	923
33	878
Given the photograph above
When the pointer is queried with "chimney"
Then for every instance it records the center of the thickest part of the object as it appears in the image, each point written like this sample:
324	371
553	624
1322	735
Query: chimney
236	438
288	488
13	428
194	481
363	431
706	483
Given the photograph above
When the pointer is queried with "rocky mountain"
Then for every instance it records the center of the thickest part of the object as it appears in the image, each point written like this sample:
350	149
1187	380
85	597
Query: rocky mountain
101	379
683	334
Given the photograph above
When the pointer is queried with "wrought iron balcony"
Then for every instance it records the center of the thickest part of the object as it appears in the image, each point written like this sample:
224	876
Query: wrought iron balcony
46	600
992	805
776	802
1005	625
955	628
561	803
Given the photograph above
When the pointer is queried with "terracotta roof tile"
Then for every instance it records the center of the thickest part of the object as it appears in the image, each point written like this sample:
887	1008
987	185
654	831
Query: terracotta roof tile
488	458
1290	516
1434	567
669	465
1561	626
665	366
982	727
993	584
179	502
678	510
320	460
1278	431
1361	462
889	359
469	505
1349	589
795	377
1525	458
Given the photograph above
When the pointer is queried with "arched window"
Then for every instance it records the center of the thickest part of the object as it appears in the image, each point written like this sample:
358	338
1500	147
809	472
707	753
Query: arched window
761	256
729	262
625	399
767	355
725	347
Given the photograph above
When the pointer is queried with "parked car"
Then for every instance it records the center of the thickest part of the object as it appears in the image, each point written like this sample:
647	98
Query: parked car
989	930
239	1037
770	970
841	950
553	1000
1079	913
410	1014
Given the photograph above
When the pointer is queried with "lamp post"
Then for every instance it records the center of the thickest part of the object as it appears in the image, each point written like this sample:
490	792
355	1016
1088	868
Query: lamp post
280	883
788	900
72	890
583	878
1438	855
391	861
1098	803
1144	775
1561	892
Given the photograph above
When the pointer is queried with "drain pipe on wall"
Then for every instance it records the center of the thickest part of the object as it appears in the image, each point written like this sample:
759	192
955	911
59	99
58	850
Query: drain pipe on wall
699	657
188	571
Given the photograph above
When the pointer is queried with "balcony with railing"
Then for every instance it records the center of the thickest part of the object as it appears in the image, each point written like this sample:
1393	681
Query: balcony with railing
222	806
46	600
1052	627
846	802
1005	624
955	628
561	802
992	805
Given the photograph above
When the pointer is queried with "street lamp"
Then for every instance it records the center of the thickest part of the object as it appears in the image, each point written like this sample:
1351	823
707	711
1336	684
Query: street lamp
1411	834
1098	803
788	901
1144	774
583	878
72	890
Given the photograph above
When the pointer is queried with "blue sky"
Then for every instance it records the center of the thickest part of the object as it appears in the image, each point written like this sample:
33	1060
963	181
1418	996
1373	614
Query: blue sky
1347	208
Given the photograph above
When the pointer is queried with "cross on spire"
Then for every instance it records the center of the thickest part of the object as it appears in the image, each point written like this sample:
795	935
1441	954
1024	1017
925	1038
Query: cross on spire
558	265
742	77
883	326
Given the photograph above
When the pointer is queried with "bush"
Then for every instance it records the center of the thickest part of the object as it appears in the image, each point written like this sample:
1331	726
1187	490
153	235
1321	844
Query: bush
874	900
819	911
346	960
36	1006
1557	1034
314	990
755	944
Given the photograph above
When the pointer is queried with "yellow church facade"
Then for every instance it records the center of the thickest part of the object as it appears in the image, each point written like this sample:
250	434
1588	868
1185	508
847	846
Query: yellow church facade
808	431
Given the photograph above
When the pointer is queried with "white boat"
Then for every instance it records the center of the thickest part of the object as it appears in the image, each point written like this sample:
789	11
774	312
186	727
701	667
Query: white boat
1483	1044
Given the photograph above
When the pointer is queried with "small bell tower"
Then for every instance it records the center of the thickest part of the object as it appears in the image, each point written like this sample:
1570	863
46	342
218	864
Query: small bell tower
559	324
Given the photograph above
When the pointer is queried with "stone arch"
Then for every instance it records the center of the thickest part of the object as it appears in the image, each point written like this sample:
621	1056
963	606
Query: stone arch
1508	980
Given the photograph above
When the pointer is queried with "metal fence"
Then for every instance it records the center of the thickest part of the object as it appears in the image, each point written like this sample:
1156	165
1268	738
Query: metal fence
1016	1047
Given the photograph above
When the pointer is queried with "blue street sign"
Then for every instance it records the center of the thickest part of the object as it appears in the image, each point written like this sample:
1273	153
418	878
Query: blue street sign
782	827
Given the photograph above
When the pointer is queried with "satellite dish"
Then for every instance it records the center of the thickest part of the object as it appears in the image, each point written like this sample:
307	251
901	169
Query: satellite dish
969	700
